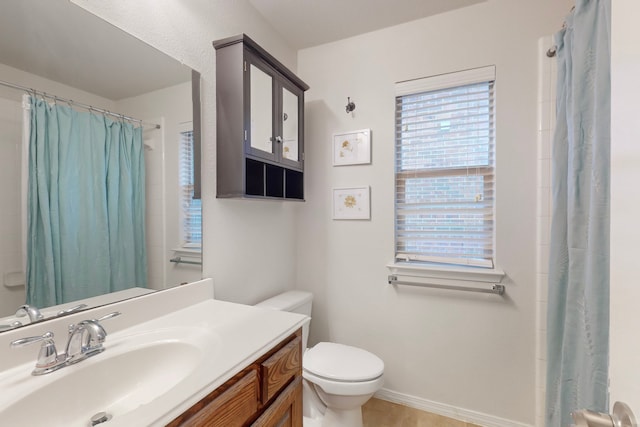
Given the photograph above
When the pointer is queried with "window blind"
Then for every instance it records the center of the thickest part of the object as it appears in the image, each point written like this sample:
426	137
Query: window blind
191	208
445	153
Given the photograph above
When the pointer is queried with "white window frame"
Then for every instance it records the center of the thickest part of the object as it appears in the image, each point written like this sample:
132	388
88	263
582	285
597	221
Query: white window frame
444	273
186	248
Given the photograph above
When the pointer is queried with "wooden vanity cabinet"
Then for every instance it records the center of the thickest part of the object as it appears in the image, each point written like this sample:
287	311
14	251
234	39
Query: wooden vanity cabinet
267	393
260	123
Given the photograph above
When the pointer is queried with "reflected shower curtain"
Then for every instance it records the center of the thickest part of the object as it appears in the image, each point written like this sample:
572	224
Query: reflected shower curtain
578	300
86	195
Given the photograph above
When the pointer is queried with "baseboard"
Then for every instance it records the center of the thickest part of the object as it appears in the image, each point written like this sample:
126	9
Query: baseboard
456	413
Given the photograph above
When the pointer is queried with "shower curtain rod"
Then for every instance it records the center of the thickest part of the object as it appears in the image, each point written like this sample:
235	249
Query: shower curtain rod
79	104
553	49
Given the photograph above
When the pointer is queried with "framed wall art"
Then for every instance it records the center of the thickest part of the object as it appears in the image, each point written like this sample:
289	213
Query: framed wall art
352	148
351	203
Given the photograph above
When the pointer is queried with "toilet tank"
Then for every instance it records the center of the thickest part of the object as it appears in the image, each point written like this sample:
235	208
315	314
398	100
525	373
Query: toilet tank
294	302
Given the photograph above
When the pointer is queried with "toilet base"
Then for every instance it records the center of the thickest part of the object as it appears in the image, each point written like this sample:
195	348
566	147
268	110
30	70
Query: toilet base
331	418
344	417
311	422
317	414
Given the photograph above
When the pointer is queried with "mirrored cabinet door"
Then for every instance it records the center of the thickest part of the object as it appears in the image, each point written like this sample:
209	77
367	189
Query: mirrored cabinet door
289	126
261	111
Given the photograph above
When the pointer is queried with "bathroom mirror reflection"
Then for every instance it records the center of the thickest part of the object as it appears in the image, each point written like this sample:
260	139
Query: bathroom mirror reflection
60	50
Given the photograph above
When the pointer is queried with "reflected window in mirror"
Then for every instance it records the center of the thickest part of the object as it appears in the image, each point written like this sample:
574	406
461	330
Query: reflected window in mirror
190	208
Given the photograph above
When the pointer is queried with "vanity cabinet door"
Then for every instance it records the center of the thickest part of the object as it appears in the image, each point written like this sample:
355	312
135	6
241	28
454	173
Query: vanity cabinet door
286	410
268	393
232	406
278	369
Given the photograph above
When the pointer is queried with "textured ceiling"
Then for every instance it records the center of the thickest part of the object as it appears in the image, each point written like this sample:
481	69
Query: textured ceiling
60	41
306	23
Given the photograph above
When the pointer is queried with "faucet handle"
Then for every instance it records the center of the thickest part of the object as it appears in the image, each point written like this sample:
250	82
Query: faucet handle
10	325
108	316
30	340
48	356
72	309
86	338
72	327
97	333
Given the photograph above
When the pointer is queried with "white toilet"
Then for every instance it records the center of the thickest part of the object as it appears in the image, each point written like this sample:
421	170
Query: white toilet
338	379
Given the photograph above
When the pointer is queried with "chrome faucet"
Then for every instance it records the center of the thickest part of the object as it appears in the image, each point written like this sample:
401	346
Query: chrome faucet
28	310
86	339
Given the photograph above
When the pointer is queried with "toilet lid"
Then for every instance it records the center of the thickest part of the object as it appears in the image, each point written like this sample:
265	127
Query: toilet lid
342	362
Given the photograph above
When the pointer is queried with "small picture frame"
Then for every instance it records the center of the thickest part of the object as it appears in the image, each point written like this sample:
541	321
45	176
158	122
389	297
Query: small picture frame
352	203
352	148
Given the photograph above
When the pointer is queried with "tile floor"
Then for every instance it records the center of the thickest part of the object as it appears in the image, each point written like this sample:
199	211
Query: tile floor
380	413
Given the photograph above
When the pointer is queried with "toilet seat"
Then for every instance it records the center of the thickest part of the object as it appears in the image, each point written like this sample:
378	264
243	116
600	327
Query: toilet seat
341	362
342	369
344	388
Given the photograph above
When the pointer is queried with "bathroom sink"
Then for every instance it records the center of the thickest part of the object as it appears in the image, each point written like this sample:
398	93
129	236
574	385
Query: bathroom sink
118	381
149	373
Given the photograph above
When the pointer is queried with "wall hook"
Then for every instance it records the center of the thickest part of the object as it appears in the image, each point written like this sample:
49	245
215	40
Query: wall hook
350	105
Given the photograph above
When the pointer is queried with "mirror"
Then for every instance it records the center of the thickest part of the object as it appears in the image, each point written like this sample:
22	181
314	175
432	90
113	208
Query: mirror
261	109
59	48
290	108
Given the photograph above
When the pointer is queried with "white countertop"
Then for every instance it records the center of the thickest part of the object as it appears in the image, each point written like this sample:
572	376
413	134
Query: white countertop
235	335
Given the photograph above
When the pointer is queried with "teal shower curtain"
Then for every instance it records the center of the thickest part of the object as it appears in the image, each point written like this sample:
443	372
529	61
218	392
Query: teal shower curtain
578	300
86	205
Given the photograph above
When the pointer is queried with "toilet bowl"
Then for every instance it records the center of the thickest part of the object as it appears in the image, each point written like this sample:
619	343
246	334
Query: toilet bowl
337	379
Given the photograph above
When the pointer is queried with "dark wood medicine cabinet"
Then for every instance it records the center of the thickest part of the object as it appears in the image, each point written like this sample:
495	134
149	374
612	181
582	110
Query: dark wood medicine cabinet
260	123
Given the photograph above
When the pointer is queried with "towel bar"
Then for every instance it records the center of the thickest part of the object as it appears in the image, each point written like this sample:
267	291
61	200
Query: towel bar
179	260
495	289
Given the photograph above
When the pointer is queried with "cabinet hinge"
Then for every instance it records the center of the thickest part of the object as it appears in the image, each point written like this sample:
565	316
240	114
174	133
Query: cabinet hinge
245	134
302	156
245	65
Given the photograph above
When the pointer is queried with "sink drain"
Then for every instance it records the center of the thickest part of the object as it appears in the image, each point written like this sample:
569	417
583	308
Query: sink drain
99	418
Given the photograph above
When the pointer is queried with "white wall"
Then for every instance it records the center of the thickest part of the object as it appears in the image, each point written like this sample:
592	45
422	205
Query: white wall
449	350
29	80
249	246
10	204
625	204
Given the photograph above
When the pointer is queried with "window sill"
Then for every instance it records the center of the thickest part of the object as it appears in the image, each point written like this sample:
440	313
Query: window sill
188	252
439	274
187	255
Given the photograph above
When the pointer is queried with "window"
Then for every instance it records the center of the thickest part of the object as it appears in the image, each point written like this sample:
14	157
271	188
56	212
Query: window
444	206
191	209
